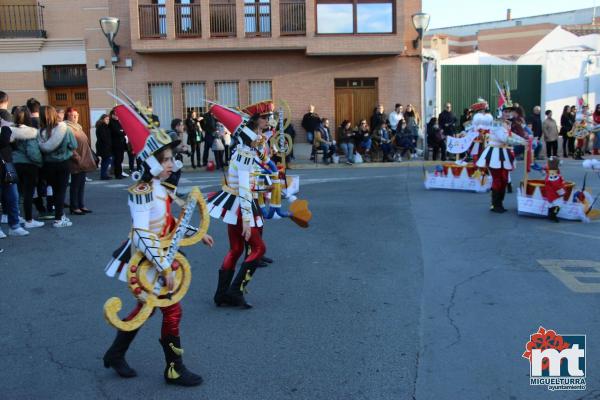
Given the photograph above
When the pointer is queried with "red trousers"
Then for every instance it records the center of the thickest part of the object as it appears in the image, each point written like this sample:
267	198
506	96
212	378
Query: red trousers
171	318
499	179
236	245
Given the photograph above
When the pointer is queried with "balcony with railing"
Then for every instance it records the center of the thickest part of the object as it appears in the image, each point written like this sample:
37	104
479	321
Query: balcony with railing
257	18
222	18
292	17
22	21
187	21
259	25
153	21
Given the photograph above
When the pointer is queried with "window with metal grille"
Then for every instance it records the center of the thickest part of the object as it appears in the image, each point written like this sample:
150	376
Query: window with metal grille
65	75
228	93
257	16
259	91
160	96
194	94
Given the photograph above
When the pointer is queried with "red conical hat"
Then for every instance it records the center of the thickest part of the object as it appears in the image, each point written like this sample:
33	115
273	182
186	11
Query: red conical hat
234	122
231	119
134	127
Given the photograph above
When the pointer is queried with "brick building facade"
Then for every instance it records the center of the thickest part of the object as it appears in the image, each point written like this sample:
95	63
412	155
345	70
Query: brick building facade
231	51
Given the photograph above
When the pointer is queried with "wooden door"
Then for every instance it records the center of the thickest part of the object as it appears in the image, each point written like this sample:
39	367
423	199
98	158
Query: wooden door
76	97
355	99
344	109
365	101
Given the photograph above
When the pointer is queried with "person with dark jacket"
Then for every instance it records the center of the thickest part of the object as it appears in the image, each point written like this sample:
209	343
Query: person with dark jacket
311	122
194	137
378	117
567	119
535	121
435	139
346	139
104	145
4	114
209	126
292	132
447	121
464	118
118	144
34	109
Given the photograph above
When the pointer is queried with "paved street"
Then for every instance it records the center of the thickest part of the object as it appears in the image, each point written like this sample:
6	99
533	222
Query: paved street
394	292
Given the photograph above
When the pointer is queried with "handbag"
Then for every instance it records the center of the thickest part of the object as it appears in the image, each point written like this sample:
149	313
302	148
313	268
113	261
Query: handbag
9	173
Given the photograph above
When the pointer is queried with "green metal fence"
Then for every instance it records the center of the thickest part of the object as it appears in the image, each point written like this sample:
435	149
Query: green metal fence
463	84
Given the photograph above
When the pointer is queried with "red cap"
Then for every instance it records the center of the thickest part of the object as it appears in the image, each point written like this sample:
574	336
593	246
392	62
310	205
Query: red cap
263	108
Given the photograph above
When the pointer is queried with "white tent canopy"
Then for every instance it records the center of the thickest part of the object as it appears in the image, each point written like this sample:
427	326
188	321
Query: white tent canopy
476	58
570	68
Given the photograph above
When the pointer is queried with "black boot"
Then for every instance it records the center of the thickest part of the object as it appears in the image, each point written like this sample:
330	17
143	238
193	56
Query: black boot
553	213
221	297
496	202
115	355
238	287
501	199
175	372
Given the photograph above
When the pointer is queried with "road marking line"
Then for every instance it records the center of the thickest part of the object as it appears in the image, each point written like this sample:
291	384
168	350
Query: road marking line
586	269
583	235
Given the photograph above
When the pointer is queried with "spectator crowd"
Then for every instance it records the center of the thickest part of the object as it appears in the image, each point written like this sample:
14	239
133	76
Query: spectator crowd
393	136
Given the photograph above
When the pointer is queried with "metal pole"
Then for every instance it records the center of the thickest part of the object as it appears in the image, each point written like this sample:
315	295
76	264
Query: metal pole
114	80
422	122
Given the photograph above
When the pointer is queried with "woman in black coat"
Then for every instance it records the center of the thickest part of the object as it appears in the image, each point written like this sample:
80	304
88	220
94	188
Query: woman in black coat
118	144
194	134
104	148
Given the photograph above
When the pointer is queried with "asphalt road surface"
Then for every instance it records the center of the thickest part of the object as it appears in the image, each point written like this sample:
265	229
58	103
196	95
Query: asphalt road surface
394	292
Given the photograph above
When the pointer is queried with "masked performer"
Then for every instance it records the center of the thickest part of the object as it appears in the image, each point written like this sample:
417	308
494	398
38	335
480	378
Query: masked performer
150	206
236	204
554	188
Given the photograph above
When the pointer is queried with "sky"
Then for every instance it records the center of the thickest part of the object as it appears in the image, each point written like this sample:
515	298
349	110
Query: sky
461	12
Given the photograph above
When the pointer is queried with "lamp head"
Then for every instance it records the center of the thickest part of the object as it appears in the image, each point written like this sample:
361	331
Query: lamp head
110	28
420	22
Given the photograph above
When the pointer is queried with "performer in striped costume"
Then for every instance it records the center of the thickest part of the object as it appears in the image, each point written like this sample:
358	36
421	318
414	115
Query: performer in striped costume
150	206
236	203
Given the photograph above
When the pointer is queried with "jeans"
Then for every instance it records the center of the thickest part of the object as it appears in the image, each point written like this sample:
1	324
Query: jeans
10	203
348	149
366	144
77	190
57	174
310	136
537	148
104	164
328	150
28	176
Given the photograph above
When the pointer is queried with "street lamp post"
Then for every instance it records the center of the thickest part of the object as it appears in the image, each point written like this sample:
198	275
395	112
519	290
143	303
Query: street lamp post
421	22
110	28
